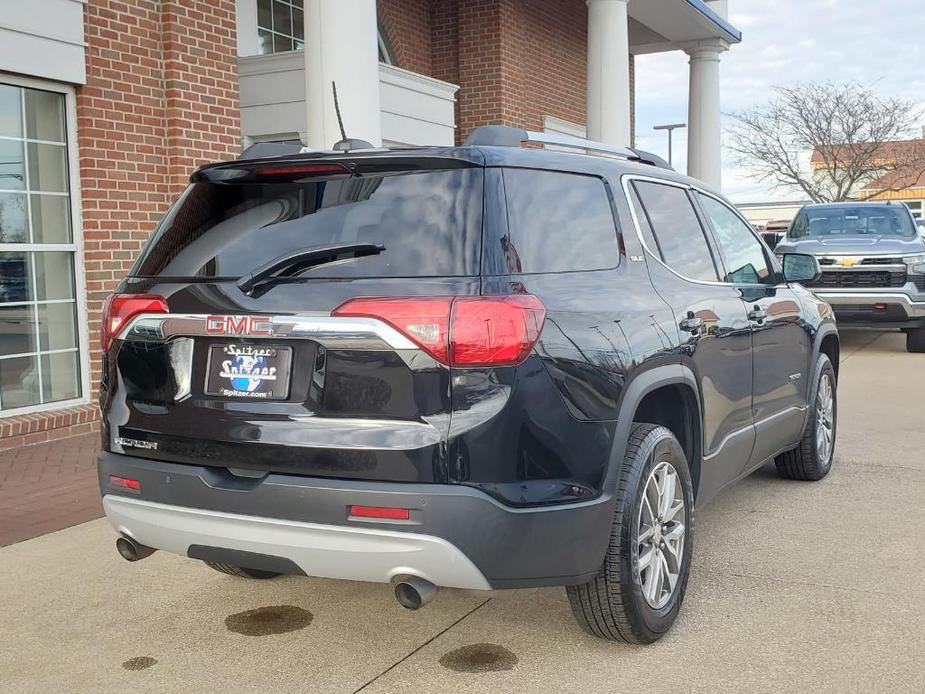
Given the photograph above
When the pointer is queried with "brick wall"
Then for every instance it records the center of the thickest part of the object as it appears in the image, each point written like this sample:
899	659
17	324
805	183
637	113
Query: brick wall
161	98
515	61
407	24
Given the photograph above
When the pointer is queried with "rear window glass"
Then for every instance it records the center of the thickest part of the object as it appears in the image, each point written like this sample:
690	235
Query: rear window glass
429	223
558	222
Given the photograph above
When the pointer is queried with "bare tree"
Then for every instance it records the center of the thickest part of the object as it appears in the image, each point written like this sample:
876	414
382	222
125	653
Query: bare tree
861	143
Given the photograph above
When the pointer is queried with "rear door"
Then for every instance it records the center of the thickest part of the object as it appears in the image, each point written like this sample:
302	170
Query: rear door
269	380
781	340
711	318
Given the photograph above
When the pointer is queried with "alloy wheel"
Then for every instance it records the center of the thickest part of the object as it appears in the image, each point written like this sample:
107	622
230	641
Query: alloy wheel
661	534
825	419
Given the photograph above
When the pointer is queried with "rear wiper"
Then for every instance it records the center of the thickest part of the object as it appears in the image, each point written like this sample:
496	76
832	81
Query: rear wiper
294	262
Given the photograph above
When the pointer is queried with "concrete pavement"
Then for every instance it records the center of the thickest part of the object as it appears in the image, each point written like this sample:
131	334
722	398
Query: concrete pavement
795	586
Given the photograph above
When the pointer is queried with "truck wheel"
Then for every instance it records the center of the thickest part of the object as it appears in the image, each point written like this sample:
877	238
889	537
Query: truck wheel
915	340
240	571
637	594
812	458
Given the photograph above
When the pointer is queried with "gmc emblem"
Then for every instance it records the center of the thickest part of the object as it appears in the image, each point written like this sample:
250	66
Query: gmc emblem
238	325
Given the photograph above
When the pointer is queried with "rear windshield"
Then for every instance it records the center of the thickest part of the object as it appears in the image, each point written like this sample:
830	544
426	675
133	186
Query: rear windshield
872	220
429	222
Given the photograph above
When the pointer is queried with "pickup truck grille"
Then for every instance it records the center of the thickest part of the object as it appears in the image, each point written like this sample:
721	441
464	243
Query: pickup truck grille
873	260
919	281
862	278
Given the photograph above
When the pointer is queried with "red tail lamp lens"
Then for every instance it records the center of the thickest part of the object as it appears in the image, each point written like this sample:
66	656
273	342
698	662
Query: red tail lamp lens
382	512
460	331
125	483
119	309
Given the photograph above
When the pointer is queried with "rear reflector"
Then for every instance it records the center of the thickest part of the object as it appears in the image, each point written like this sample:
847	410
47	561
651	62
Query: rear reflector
119	309
465	331
125	483
385	512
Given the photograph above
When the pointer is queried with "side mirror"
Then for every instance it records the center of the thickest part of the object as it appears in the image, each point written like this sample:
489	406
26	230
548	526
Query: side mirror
800	267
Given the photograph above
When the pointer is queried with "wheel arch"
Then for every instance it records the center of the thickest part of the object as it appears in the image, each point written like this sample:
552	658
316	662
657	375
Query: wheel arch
669	396
827	342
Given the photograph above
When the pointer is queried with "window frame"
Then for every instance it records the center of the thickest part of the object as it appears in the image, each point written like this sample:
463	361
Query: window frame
769	258
627	179
76	247
273	32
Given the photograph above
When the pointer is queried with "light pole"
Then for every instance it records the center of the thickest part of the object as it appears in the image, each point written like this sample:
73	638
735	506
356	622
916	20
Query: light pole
670	128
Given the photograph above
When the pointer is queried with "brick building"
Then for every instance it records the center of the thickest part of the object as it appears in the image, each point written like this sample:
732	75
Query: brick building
107	105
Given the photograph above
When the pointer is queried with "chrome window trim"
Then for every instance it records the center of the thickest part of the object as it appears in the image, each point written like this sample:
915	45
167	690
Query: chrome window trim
627	179
347	332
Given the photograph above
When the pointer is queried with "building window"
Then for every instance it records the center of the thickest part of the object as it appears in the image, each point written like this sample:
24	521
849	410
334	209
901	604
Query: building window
915	207
39	325
280	26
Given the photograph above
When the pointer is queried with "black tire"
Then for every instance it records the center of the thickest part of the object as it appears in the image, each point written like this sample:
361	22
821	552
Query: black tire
805	462
915	340
612	605
240	571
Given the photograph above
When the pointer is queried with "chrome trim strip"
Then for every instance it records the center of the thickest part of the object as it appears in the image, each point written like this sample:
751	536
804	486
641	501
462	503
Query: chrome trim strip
625	181
367	334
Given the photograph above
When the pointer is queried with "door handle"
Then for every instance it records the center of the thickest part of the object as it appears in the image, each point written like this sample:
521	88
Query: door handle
757	314
691	324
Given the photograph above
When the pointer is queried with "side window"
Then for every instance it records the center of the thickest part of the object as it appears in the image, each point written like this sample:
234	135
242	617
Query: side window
743	254
676	230
557	222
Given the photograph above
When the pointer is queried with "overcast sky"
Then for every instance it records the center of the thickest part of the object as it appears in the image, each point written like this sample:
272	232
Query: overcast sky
876	42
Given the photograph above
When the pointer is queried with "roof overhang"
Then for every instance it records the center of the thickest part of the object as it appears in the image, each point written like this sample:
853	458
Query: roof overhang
657	26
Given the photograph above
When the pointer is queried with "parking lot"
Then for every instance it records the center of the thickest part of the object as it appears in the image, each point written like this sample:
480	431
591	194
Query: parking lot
795	586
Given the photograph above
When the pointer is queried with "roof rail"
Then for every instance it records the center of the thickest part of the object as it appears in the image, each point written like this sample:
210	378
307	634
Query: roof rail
506	136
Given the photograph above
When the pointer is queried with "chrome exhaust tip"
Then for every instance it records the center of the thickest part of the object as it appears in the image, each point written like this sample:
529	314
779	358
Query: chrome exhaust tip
131	550
413	592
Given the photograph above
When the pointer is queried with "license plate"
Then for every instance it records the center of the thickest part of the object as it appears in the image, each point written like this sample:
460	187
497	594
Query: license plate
254	372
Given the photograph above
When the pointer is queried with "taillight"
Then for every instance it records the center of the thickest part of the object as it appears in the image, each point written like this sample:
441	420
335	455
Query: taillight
463	330
121	308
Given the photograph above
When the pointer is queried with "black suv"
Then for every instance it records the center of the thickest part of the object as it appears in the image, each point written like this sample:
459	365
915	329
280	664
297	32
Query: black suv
482	367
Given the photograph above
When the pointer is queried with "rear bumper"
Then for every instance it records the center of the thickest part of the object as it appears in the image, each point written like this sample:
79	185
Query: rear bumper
328	551
456	537
876	308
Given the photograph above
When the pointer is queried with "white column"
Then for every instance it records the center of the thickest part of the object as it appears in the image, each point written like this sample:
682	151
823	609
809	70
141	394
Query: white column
608	72
342	46
704	130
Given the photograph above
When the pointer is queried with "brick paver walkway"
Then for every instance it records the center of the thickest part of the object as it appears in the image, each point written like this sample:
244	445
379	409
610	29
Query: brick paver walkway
48	487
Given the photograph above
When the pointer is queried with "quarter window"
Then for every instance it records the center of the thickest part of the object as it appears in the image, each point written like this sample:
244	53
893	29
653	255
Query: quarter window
673	224
39	354
743	254
557	222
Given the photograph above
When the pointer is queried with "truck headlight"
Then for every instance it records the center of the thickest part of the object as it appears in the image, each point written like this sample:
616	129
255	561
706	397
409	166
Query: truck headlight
915	262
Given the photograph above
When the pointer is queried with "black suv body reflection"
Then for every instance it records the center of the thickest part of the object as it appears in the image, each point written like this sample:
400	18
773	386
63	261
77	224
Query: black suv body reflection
478	367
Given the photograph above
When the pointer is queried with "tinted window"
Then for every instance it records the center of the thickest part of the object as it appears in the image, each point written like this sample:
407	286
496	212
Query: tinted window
743	255
682	245
851	220
429	223
558	222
